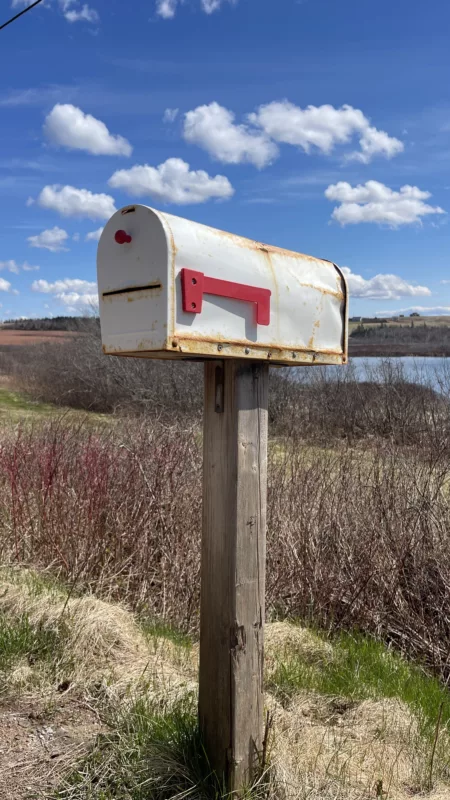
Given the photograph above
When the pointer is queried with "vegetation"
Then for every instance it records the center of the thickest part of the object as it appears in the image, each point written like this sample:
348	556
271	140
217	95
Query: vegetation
412	336
358	542
78	324
363	668
345	700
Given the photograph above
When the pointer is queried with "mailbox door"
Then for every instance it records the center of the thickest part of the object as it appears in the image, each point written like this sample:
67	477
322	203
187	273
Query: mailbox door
134	273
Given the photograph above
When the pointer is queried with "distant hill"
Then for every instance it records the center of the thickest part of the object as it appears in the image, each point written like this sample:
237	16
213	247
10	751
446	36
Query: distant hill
414	335
76	324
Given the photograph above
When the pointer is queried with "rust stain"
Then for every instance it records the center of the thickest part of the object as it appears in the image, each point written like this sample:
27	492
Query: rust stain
143	294
186	338
316	324
174	251
249	244
201	351
275	293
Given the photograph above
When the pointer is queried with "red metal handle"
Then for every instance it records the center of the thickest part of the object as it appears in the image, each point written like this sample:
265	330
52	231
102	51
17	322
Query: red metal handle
122	237
195	284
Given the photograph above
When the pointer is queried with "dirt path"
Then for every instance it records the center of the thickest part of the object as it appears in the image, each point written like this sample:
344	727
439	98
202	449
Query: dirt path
39	743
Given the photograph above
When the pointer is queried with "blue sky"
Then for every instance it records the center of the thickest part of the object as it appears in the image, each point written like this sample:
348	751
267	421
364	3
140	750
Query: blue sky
318	126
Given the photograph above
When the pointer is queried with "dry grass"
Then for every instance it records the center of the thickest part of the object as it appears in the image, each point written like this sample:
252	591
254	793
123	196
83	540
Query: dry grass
322	747
101	643
358	537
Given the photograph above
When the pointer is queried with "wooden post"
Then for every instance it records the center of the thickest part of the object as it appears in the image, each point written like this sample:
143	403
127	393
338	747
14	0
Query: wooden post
233	567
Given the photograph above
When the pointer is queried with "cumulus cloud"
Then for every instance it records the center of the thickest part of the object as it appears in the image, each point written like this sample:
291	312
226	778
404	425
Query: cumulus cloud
323	128
71	202
425	310
53	239
70	127
94	236
172	182
167	8
74	294
213	128
5	286
83	14
72	10
375	202
13	266
64	285
28	268
384	286
170	114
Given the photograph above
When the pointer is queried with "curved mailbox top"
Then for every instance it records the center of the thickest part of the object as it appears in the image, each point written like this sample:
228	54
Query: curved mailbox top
172	288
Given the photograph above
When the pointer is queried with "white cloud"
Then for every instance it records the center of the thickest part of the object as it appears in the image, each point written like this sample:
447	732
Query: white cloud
94	236
170	114
167	8
375	202
5	286
72	293
28	268
77	302
72	10
445	281
382	286
53	240
13	266
323	128
84	14
425	310
65	285
213	128
71	202
70	127
172	182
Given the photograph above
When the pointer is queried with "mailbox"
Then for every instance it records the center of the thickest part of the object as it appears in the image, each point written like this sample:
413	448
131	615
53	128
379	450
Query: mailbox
172	288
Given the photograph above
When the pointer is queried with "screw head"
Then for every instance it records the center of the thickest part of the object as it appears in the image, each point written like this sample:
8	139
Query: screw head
219	346
247	350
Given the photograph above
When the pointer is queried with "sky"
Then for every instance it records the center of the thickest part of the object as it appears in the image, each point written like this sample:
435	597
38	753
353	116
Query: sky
314	125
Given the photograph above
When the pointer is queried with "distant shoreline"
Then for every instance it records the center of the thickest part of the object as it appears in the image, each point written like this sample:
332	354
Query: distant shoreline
391	350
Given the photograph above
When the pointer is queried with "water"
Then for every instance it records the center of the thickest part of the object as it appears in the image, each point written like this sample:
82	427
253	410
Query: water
431	371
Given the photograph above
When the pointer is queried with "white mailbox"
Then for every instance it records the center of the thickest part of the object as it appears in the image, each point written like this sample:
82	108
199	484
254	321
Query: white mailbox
171	288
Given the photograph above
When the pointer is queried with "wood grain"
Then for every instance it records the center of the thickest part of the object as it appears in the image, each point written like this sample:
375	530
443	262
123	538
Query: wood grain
233	567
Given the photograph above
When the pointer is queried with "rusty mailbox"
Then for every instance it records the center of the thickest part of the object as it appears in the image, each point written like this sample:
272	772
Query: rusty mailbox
172	288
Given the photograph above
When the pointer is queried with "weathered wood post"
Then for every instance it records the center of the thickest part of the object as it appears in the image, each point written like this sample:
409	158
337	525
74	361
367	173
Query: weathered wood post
233	567
170	288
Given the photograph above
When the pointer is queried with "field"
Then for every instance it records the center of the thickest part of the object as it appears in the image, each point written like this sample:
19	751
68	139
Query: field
10	337
432	322
99	583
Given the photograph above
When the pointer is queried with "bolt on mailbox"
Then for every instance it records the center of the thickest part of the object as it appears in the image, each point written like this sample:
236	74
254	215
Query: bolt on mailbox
172	288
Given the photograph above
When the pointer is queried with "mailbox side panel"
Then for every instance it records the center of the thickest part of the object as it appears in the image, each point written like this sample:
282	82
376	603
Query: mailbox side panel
135	281
308	303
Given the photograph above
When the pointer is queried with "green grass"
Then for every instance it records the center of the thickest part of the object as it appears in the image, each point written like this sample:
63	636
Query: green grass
157	629
154	753
362	668
19	641
16	406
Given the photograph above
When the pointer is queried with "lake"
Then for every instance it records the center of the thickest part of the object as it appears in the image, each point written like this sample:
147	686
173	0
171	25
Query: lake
415	369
